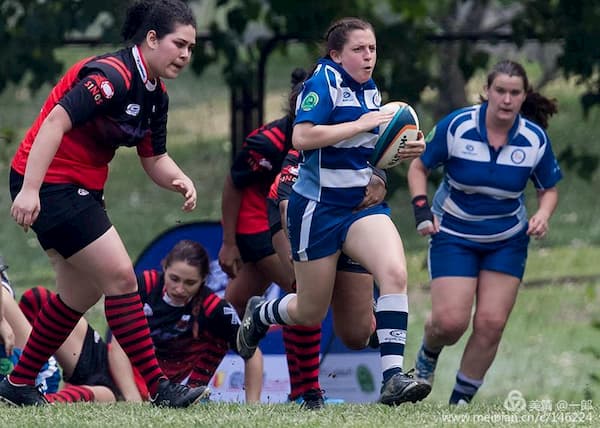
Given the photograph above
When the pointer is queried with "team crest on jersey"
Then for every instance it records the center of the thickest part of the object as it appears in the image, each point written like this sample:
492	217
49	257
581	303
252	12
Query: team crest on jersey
184	323
310	101
133	109
107	89
517	156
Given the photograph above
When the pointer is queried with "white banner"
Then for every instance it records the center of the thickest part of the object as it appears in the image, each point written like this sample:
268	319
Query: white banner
352	377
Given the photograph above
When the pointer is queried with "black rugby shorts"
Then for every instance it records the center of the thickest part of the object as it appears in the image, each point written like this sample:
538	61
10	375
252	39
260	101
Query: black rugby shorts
71	217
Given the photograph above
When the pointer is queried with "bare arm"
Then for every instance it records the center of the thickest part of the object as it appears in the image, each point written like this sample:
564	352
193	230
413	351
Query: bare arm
166	173
26	206
229	254
417	178
308	136
547	202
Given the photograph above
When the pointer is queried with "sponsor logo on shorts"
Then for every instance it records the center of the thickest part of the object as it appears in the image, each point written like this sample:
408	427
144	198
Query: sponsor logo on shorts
82	192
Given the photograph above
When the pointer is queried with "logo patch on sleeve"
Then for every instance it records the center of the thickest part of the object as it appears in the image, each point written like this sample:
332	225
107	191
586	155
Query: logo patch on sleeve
107	89
430	136
310	101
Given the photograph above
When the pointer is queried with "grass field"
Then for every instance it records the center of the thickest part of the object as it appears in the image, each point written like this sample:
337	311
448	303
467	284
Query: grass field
550	349
231	415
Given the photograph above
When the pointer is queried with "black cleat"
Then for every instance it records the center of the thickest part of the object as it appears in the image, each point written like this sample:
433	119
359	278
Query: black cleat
20	395
402	387
171	394
250	333
313	400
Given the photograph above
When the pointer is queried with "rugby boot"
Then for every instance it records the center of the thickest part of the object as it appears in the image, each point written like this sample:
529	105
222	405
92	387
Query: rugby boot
250	332
402	387
20	395
171	394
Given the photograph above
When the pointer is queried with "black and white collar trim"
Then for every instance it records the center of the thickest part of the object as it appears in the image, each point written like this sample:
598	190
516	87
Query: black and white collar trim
141	67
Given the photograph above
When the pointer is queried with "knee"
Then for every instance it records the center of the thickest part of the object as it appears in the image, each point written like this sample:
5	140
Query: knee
392	279
355	338
488	328
448	328
355	343
123	280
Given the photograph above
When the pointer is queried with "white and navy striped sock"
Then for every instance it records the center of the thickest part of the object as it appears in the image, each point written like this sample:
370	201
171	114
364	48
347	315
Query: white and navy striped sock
275	311
392	321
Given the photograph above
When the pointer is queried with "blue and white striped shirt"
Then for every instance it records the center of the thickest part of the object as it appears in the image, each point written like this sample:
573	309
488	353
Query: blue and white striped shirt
337	174
481	196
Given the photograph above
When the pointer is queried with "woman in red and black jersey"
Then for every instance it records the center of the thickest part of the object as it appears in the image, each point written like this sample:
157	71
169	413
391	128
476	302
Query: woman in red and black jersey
56	183
191	327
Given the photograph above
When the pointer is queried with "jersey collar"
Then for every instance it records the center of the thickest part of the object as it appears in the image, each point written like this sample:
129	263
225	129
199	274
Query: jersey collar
512	132
141	67
169	300
347	79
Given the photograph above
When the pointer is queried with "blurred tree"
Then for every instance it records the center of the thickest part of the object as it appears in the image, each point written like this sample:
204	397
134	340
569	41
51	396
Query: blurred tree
31	30
577	24
244	32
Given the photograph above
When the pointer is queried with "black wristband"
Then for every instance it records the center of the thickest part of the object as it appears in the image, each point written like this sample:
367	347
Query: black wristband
422	211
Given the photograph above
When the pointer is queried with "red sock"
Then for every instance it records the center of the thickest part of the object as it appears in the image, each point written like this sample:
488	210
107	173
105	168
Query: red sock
32	301
292	362
53	325
71	394
307	342
128	324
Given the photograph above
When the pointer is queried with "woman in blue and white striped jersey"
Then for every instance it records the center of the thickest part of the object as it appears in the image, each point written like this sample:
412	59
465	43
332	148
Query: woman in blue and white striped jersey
336	127
478	223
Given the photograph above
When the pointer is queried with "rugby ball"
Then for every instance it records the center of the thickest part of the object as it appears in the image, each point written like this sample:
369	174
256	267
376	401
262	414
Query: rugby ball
394	134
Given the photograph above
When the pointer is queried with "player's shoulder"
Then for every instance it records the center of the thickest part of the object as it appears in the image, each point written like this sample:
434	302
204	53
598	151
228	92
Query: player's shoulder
115	67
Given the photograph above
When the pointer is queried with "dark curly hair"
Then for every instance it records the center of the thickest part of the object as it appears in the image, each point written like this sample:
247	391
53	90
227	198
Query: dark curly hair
158	15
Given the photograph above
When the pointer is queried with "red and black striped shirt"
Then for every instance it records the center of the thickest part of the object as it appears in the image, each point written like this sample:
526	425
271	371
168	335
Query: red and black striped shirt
110	105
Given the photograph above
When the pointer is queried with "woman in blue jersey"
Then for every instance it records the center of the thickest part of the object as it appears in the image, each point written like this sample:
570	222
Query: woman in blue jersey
336	126
478	223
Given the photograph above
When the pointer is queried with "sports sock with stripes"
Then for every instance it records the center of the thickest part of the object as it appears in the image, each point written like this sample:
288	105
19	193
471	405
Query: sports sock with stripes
465	389
274	312
71	394
292	362
392	321
53	325
129	326
307	347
